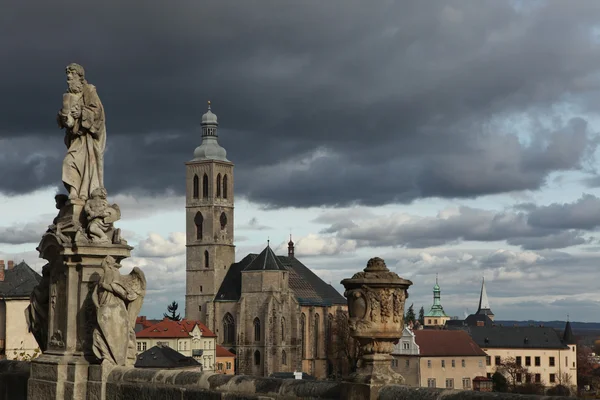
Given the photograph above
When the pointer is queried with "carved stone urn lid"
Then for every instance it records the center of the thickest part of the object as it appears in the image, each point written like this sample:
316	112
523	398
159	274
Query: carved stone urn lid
376	274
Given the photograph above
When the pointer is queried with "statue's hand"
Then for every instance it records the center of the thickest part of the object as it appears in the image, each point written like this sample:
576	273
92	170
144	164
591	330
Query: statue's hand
76	112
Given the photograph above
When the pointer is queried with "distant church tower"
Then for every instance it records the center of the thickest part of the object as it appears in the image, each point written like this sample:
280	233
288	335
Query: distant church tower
436	315
484	303
209	221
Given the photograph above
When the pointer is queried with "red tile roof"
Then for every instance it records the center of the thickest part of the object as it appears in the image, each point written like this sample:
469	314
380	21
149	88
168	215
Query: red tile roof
440	343
174	329
223	352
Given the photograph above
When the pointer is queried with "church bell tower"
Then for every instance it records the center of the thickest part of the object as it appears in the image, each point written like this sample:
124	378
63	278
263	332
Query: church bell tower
209	221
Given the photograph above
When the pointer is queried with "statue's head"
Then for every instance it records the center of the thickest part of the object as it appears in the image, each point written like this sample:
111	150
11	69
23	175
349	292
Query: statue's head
99	193
75	77
108	262
61	200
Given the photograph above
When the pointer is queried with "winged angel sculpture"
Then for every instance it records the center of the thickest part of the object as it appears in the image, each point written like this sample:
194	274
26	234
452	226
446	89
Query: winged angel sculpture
118	300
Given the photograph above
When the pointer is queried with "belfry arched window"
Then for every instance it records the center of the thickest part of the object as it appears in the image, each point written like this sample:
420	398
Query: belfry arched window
199	222
256	330
196	187
219	185
205	187
282	329
228	329
225	186
223	220
206	259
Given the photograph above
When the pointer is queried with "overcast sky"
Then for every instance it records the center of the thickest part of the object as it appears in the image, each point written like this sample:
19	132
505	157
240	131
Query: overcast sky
449	137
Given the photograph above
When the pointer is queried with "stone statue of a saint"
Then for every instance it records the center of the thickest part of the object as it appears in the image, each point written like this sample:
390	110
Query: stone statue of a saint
82	116
118	300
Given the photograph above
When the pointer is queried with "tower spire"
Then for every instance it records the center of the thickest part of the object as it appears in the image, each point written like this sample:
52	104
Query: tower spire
484	303
291	247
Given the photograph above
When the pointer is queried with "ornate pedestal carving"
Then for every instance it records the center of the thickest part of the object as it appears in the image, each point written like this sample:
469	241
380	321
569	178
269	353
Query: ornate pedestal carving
74	272
376	299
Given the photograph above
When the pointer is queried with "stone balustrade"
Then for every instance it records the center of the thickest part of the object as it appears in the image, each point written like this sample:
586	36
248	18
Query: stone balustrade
126	383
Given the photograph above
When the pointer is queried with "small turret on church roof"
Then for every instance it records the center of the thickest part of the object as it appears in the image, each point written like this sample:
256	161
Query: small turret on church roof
436	309
266	261
210	149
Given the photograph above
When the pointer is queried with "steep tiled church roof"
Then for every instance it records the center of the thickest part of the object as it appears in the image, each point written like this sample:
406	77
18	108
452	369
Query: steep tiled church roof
265	261
19	281
306	285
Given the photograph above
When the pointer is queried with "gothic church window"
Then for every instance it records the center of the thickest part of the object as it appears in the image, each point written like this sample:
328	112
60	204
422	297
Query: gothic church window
199	221
256	330
303	335
283	358
205	187
206	260
223	220
225	186
282	329
329	332
257	357
196	187
228	329
316	335
219	185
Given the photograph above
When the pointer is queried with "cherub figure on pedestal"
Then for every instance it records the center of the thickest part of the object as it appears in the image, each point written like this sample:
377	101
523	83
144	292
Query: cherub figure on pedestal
101	217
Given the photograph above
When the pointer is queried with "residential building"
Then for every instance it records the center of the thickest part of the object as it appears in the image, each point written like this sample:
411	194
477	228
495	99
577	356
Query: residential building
271	311
438	358
549	358
164	357
225	361
190	338
436	317
16	284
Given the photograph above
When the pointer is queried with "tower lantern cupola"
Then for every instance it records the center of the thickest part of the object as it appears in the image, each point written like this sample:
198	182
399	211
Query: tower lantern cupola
210	149
436	315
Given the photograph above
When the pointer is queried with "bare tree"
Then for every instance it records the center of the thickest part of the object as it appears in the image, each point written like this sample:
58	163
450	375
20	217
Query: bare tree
514	372
344	348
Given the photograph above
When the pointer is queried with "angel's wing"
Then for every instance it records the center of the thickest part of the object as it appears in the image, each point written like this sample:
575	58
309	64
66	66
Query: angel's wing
135	283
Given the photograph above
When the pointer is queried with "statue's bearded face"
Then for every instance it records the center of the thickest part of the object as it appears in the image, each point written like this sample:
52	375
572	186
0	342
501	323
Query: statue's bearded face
74	81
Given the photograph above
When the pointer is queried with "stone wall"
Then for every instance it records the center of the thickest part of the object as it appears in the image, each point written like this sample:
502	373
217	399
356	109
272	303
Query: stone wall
132	384
13	379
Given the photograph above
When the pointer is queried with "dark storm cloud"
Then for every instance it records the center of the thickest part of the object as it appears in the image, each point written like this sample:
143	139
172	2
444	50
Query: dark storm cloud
531	227
22	233
400	95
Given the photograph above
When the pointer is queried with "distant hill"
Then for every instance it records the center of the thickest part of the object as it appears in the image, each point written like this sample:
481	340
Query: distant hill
586	332
579	326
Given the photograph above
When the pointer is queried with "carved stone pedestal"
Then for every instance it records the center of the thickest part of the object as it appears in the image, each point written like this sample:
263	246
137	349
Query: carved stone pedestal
376	298
68	361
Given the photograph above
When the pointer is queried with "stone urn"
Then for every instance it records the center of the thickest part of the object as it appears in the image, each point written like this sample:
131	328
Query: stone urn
376	299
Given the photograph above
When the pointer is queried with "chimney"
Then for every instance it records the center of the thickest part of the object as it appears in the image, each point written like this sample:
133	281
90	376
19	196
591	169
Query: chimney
1	270
11	264
291	247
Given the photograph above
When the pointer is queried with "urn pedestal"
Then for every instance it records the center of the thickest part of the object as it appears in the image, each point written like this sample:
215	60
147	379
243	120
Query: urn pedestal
376	298
63	369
